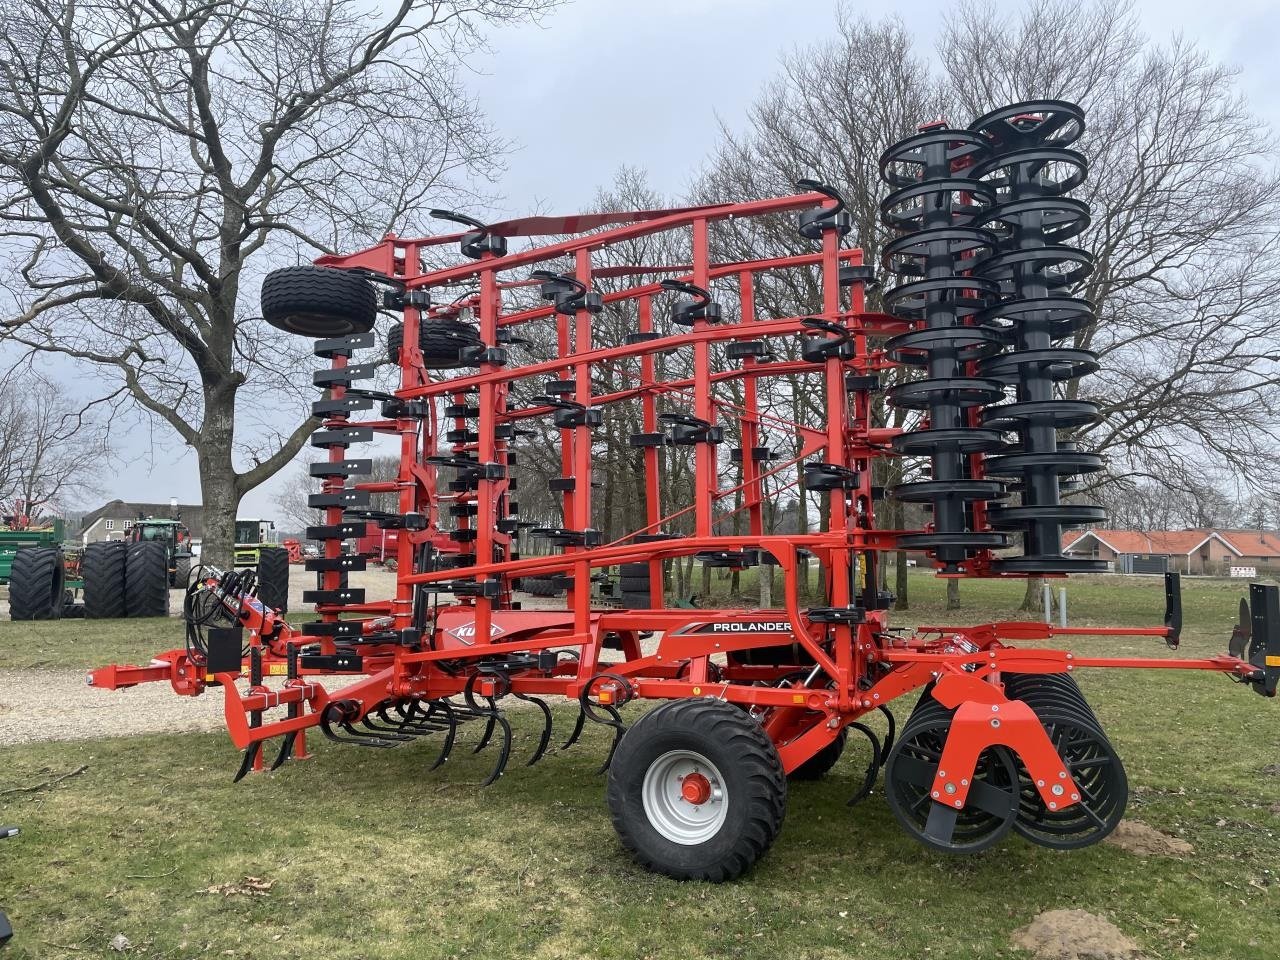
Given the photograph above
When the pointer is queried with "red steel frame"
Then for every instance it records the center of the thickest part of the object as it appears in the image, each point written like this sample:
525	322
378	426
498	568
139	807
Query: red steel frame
861	666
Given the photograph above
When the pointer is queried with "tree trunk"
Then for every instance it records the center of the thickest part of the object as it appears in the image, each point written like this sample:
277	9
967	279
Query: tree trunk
218	484
953	594
900	581
1031	599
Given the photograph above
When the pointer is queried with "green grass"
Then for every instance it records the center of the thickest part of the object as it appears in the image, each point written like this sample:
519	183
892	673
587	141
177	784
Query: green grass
370	856
83	644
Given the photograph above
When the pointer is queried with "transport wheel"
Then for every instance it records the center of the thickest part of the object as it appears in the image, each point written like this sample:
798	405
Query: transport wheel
439	341
318	301
273	578
634	584
820	764
181	572
639	570
35	584
696	790
146	580
992	802
102	567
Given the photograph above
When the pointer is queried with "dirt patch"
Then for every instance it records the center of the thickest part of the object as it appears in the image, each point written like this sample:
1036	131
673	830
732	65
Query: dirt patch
1075	935
1134	836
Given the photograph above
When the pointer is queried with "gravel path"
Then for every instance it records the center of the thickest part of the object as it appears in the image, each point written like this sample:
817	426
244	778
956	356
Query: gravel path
38	705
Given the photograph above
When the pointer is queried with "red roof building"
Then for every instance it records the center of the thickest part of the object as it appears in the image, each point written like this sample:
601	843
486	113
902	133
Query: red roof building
1209	552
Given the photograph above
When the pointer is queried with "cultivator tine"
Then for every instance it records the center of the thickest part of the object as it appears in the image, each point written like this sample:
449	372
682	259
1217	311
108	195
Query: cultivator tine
888	737
504	754
546	727
251	753
286	750
489	726
577	729
878	752
451	733
334	713
619	728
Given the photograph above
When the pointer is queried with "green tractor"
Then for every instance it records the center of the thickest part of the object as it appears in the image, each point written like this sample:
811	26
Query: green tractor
256	547
176	538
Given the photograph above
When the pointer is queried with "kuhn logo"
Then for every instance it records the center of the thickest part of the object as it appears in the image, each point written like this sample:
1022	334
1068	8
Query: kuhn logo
467	632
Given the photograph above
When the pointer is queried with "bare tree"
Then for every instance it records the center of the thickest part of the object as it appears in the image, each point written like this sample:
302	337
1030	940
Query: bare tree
52	448
1184	187
157	157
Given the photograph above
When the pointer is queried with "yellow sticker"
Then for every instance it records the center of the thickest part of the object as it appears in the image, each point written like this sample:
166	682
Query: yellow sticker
697	691
606	696
278	669
1273	661
209	678
797	698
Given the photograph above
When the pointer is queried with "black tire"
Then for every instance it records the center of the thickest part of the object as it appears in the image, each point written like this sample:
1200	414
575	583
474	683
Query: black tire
318	301
102	567
181	572
146	580
541	586
820	764
440	342
273	578
636	601
740	762
36	584
73	611
634	584
634	570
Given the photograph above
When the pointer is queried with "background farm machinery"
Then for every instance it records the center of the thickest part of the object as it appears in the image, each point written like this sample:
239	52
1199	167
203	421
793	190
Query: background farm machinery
1000	737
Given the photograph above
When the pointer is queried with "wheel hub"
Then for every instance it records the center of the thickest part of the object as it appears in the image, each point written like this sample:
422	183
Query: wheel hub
695	788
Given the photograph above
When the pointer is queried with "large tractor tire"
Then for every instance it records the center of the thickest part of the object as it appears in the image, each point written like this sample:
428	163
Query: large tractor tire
102	567
440	342
542	586
146	580
36	584
318	301
273	578
181	572
696	790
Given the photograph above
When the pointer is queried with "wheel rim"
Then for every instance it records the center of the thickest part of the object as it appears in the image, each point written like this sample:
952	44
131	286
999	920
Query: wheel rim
684	797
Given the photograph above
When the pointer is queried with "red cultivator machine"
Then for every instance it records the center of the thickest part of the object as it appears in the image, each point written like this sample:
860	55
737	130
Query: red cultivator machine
999	737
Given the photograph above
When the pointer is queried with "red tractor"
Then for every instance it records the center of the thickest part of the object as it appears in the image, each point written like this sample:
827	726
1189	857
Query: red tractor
996	736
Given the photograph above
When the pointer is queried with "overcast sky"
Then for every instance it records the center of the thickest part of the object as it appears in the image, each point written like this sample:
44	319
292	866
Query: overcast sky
604	83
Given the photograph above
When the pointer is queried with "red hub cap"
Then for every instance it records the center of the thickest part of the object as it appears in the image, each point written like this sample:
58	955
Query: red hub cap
696	788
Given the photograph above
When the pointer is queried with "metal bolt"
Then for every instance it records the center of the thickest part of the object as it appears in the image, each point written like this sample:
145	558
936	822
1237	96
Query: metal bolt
1075	796
942	774
1057	790
1052	805
833	722
959	803
875	696
964	783
950	788
936	794
1062	774
995	708
1039	783
995	723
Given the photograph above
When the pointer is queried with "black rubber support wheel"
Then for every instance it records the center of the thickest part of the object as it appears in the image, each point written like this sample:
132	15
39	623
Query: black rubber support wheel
634	584
36	584
440	342
634	570
696	790
181	572
820	764
146	580
102	567
318	301
273	578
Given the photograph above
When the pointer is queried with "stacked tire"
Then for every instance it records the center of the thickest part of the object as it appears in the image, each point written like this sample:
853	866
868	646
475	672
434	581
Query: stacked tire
543	586
273	578
36	584
146	580
634	586
102	566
